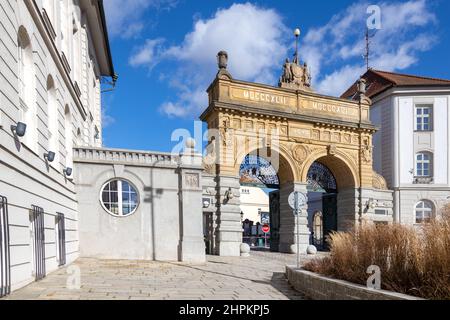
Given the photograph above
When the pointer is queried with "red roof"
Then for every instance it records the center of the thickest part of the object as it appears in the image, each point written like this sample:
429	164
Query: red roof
379	81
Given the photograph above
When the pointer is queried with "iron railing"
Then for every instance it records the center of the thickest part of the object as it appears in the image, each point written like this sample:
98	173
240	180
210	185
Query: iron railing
39	242
5	262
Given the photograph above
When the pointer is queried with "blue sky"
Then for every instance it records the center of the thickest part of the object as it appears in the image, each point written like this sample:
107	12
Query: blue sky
164	52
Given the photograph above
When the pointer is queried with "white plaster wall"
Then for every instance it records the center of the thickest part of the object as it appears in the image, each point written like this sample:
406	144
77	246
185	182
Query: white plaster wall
253	201
441	127
383	140
410	143
25	178
410	197
406	139
376	118
153	231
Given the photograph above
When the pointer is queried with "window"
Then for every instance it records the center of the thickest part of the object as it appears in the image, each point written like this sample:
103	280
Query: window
318	229
27	88
68	136
424	117
52	120
381	212
119	198
424	212
423	164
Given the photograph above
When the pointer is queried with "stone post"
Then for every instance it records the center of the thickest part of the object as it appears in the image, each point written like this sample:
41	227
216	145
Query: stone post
229	231
192	244
288	227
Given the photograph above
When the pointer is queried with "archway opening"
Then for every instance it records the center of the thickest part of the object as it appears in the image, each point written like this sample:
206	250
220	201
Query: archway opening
262	174
331	199
322	204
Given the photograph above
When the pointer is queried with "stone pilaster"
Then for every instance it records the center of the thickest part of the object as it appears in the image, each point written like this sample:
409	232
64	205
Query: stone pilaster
347	209
192	245
229	230
288	222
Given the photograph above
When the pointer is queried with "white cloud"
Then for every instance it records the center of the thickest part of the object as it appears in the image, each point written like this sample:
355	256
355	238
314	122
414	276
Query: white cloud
404	34
125	18
257	42
254	38
107	119
147	54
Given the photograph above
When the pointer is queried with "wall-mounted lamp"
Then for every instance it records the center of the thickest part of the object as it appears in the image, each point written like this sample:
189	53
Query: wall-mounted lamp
67	172
371	204
229	194
206	203
20	129
50	156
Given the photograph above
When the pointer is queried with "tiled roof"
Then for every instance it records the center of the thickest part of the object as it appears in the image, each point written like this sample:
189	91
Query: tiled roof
379	81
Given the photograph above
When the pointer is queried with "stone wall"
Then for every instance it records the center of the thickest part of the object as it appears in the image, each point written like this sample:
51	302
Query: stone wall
167	224
318	287
26	178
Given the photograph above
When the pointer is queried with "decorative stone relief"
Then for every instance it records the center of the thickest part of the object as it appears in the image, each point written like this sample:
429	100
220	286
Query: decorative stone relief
315	134
347	138
192	180
332	150
379	182
336	137
300	153
366	154
237	124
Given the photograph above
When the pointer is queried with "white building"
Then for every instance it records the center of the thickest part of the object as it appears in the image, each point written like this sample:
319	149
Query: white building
254	204
53	55
411	148
116	204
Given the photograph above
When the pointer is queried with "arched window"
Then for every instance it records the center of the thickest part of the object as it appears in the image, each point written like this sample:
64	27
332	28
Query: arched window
52	119
68	136
424	164
424	211
27	88
119	198
318	229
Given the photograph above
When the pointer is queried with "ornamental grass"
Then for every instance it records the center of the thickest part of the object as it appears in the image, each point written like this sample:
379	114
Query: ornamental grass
412	260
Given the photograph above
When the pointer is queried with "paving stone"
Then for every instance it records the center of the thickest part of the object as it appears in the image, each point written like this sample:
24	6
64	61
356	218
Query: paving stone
258	277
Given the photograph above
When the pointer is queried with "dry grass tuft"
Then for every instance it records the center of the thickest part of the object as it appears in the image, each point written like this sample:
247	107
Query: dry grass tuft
412	261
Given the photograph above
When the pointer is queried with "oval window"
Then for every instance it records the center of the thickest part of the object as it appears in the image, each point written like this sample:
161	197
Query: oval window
119	198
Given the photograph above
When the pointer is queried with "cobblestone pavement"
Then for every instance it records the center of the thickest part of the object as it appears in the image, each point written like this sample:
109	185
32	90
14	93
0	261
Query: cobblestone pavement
258	277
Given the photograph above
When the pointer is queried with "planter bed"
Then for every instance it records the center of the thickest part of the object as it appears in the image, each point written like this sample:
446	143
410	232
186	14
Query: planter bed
318	287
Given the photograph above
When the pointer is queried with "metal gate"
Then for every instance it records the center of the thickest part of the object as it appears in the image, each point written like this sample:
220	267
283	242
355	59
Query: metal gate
39	242
5	265
61	239
274	198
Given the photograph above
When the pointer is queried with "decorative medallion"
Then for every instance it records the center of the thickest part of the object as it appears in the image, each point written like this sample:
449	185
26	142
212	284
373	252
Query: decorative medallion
300	153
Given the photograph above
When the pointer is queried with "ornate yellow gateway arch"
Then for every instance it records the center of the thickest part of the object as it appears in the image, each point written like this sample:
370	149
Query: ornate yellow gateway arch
293	128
